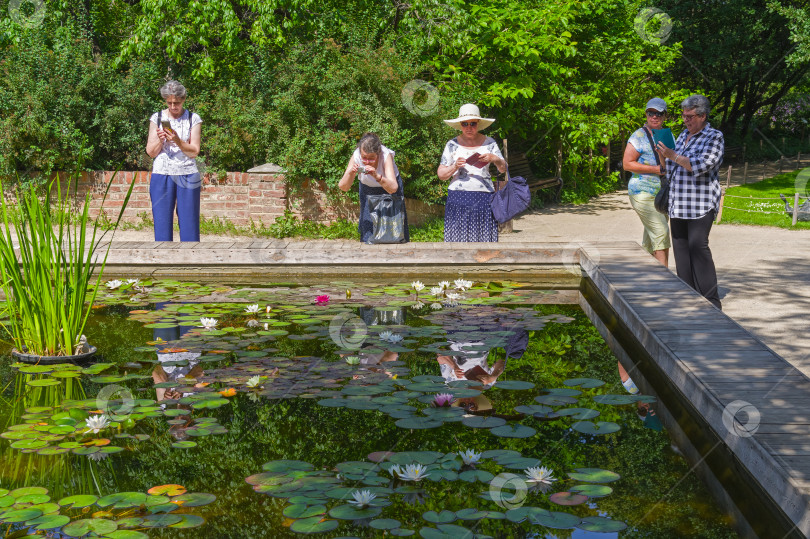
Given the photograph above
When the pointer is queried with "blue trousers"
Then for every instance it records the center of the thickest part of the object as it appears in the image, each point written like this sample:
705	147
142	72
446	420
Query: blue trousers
180	194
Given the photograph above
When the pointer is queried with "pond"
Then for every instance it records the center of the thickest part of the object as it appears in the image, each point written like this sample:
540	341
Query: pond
455	409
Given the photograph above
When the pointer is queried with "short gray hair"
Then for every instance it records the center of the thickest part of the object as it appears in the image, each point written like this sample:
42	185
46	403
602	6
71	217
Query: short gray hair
697	102
173	88
370	143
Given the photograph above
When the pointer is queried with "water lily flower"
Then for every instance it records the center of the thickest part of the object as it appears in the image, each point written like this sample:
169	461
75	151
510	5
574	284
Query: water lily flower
252	309
436	290
95	423
208	323
268	309
321	300
418	305
452	296
539	475
442	399
436	306
230	392
266	326
253	323
133	282
395	470
469	456
393	338
112	285
444	284
254	381
413	472
418	285
97	456
462	284
362	498
352	360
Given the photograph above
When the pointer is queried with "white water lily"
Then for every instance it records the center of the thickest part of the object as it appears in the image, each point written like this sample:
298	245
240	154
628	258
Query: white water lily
469	456
133	282
413	472
395	470
435	306
417	305
95	423
452	296
112	285
436	290
462	284
266	326
253	323
362	498
208	323
254	381
539	475
444	284
418	285
393	338
252	309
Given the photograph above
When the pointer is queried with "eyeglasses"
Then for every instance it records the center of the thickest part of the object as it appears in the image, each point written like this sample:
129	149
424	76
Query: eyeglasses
689	116
656	114
469	124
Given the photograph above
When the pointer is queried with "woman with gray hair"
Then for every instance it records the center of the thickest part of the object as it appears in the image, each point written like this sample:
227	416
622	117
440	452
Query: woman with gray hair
174	142
694	195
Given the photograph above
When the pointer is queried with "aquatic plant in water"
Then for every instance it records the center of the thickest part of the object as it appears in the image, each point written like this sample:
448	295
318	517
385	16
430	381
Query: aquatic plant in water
112	285
443	399
412	472
362	498
47	284
469	457
252	309
97	423
539	474
322	300
208	323
418	286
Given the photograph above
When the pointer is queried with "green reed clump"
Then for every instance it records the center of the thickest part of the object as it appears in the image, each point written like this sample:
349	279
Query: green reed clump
46	285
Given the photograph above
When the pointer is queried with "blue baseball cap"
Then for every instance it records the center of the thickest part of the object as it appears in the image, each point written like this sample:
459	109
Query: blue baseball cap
656	103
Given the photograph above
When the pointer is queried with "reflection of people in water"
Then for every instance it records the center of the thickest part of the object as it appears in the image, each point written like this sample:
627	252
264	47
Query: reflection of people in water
175	366
645	412
470	362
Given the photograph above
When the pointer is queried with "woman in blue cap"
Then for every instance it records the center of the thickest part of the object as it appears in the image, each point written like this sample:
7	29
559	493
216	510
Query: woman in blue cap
640	159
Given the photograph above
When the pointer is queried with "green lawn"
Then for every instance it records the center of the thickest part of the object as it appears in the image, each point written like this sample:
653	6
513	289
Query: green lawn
785	184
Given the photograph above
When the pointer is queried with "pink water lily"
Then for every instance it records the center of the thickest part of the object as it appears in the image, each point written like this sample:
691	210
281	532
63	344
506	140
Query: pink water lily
442	399
321	300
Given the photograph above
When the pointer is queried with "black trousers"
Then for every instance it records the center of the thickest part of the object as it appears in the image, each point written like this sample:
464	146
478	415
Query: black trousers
693	258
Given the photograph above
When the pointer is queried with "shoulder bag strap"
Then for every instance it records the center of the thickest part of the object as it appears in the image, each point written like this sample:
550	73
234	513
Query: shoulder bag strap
652	145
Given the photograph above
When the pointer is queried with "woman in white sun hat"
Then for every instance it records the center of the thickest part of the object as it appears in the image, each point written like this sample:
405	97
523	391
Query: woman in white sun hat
465	163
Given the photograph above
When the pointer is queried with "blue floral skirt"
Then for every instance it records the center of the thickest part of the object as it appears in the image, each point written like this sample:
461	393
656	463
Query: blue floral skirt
468	217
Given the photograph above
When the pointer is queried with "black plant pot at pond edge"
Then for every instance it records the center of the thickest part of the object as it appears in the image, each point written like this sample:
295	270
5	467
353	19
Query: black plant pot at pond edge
25	357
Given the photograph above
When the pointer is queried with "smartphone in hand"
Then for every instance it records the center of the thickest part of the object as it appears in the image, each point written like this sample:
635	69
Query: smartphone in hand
166	126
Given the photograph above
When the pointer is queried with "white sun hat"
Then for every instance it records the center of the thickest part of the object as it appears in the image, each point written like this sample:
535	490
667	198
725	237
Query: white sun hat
468	112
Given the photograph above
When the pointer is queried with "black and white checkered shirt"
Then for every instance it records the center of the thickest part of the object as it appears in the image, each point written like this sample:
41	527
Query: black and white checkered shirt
694	194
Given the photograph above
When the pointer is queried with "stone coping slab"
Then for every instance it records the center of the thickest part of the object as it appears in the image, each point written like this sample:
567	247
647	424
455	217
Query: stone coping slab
756	405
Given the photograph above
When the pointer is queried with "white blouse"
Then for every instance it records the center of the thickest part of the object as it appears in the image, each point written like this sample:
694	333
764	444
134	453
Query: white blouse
468	177
368	179
171	160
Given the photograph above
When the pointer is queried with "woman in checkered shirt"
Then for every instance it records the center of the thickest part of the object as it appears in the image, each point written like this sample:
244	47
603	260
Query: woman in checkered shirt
694	196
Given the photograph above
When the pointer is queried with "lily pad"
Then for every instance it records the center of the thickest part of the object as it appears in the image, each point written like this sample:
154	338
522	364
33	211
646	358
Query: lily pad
513	431
80	528
601	427
594	475
483	422
78	501
568	498
167	490
313	525
439	518
417	422
592	491
48	522
123	500
188	521
516	385
304	511
194	499
601	524
384	524
350	512
578	413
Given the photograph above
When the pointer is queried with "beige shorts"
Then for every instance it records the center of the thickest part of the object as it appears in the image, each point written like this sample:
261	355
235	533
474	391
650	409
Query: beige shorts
656	226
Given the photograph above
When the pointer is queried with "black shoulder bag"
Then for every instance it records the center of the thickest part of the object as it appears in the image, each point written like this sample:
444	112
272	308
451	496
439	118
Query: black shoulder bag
662	197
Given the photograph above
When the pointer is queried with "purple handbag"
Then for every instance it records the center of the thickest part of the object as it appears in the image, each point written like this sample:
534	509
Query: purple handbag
513	199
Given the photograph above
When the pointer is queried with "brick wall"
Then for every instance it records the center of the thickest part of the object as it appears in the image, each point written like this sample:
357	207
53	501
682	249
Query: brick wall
259	195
